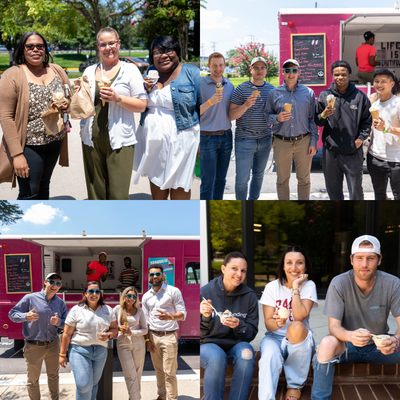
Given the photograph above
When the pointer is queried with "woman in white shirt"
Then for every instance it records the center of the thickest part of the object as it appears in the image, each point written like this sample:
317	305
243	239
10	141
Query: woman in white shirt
131	347
88	327
288	342
383	159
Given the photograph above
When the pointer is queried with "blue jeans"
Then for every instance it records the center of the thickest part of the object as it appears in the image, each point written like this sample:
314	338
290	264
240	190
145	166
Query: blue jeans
214	361
276	352
251	156
324	372
87	364
215	155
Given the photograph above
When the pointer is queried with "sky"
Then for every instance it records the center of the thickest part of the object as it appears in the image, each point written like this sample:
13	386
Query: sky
226	24
106	218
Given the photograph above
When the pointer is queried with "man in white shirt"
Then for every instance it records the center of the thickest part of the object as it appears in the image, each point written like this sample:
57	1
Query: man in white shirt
163	306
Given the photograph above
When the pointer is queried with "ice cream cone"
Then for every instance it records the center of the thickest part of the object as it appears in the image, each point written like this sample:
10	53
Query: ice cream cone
219	88
287	107
256	93
331	100
374	113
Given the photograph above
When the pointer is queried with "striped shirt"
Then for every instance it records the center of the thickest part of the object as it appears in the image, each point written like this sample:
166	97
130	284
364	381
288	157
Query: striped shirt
254	123
128	277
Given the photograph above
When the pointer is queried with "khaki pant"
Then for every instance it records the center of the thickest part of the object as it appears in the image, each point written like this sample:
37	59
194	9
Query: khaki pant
165	362
284	153
34	357
131	353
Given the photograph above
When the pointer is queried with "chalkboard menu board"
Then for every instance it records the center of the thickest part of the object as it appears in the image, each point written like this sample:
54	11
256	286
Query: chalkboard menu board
18	273
309	50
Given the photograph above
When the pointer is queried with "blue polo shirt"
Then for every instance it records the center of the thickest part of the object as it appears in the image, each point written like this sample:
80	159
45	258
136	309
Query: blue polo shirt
303	103
41	329
216	118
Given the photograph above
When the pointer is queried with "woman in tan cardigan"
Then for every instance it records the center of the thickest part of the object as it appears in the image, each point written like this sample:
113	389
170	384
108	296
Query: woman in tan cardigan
27	152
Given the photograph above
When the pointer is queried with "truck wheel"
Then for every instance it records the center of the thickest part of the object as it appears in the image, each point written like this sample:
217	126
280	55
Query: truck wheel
18	344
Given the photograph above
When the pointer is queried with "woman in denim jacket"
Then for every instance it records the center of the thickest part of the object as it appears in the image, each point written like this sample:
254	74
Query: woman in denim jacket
168	137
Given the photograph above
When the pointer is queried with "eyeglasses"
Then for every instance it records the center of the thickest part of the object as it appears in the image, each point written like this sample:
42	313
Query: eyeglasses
291	70
103	45
159	52
155	274
131	296
259	68
55	283
31	46
93	291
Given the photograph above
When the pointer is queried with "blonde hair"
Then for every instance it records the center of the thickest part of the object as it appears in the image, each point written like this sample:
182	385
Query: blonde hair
107	29
122	304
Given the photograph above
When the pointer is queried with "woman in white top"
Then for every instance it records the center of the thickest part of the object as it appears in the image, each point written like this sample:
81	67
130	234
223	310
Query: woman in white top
383	159
108	137
131	347
287	303
88	327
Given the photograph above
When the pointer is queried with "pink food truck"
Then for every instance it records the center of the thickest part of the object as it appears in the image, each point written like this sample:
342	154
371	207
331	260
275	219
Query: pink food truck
317	37
26	260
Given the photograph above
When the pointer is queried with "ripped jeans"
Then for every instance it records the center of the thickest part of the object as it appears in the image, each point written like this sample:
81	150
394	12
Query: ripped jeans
324	372
277	352
214	361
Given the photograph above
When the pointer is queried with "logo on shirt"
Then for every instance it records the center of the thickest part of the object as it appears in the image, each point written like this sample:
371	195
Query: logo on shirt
353	107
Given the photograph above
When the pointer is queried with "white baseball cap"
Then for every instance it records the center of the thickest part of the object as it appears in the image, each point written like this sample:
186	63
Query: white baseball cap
291	61
376	246
53	275
258	59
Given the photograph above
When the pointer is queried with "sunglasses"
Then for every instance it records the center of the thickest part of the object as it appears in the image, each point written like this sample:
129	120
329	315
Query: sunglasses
155	274
103	45
131	296
31	46
291	70
93	291
55	283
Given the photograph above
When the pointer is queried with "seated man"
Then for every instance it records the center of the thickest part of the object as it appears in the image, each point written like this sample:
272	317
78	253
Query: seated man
225	334
358	303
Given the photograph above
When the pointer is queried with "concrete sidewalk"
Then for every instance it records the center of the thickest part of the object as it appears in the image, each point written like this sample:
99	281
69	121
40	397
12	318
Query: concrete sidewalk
12	387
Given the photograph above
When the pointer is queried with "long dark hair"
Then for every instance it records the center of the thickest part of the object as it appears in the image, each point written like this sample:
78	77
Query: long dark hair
19	57
84	299
390	74
164	43
289	249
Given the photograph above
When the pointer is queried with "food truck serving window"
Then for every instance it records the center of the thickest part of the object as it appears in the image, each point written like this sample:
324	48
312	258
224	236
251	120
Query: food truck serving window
310	51
18	273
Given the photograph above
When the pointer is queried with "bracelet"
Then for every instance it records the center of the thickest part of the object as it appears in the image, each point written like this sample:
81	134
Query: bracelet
210	103
387	130
62	355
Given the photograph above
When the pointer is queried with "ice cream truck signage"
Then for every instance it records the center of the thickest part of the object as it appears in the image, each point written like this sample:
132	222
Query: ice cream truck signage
317	37
26	260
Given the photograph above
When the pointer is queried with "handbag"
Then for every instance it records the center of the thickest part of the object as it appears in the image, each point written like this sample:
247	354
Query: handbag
82	105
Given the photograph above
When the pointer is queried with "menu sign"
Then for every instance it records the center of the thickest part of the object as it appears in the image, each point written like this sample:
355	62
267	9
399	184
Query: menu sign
18	273
310	51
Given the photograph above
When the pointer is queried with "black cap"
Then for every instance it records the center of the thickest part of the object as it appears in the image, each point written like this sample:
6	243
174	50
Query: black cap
368	35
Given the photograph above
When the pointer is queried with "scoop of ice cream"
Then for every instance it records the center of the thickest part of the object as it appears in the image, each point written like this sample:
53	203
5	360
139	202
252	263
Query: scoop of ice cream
256	93
287	107
330	100
153	74
57	96
104	83
226	314
283	313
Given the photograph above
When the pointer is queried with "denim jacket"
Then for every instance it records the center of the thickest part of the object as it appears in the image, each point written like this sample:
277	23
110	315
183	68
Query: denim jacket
185	91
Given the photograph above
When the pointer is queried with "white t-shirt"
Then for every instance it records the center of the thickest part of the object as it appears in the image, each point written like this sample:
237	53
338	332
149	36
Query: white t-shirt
386	146
88	322
277	296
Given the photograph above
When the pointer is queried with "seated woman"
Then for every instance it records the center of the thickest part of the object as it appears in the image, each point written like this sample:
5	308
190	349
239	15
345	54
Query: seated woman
229	321
287	302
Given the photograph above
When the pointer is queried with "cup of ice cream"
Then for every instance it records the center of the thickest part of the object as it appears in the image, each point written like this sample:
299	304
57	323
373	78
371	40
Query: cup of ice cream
153	75
104	83
378	339
226	314
283	313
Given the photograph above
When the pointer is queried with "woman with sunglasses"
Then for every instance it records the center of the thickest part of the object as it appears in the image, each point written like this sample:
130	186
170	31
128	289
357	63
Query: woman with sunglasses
131	347
169	135
109	137
88	327
28	152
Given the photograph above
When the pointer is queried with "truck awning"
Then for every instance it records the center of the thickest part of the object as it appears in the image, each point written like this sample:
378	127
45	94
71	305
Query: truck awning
86	245
377	23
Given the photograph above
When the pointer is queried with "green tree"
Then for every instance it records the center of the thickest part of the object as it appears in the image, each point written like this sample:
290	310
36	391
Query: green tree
9	213
241	57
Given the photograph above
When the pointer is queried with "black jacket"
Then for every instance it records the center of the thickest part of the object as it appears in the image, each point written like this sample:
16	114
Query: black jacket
351	120
242	303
